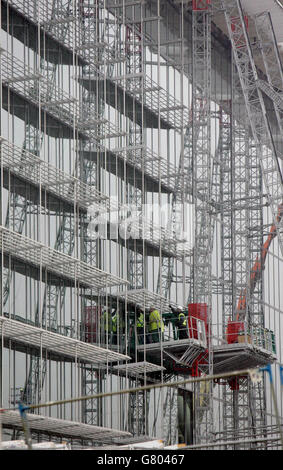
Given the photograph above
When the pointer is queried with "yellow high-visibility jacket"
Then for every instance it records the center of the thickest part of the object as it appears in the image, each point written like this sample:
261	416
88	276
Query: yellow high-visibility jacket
118	322
155	322
182	319
107	321
140	322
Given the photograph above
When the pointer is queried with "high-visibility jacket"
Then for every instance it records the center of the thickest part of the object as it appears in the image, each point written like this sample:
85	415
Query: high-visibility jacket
155	322
140	322
114	323
182	319
117	322
107	321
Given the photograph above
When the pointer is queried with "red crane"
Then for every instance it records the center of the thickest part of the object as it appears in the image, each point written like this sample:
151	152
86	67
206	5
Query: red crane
234	327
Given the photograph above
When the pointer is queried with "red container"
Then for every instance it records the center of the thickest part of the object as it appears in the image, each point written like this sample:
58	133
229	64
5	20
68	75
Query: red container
233	329
197	311
90	324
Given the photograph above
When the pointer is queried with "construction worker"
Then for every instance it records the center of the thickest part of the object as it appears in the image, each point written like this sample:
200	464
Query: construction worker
156	325
114	327
118	326
180	322
140	325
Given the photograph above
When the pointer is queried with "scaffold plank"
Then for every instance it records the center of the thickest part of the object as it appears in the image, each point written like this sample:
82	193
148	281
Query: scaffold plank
135	369
146	299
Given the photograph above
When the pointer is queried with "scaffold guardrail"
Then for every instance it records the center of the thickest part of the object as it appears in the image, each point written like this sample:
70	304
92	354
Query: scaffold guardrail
62	106
256	335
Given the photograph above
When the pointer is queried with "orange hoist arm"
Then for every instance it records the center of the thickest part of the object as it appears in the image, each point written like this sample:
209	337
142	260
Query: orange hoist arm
258	267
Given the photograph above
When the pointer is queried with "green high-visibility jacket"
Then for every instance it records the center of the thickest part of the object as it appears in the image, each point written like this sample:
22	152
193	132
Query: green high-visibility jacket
155	322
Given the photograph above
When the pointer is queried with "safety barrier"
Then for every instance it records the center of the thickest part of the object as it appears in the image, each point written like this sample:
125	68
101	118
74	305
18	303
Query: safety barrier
241	332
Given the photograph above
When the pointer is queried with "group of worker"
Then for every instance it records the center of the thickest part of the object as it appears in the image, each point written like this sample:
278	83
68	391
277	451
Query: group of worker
149	325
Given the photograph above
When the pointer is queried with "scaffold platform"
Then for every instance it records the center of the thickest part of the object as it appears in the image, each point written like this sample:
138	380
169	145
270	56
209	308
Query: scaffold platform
146	100
56	346
137	369
29	168
62	427
145	299
237	356
120	119
138	164
43	176
21	11
63	113
58	264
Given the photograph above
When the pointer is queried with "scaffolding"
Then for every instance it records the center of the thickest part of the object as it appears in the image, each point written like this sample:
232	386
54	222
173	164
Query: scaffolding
141	171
